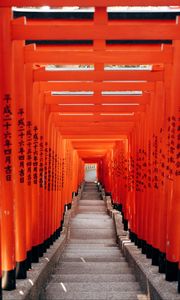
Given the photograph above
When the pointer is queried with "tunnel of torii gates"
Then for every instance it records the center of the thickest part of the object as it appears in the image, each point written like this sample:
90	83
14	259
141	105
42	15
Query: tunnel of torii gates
47	136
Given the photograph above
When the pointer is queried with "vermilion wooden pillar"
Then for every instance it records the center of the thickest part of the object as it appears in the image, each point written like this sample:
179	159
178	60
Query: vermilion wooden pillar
131	184
165	183
58	190
19	159
173	230
54	208
35	174
45	128
50	138
7	206
140	179
41	169
29	144
55	187
157	191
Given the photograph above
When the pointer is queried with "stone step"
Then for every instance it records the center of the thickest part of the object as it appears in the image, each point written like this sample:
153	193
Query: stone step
90	188
55	294
92	233
92	200
93	278
93	268
92	216
91	203
92	258
93	224
89	183
92	251
91	191
92	208
90	211
90	196
93	254
92	286
92	241
90	246
97	251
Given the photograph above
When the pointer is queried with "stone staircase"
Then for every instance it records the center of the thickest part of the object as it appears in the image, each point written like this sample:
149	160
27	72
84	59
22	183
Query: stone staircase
92	266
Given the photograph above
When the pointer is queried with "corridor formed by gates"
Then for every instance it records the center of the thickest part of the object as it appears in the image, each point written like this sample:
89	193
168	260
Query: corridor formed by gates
89	83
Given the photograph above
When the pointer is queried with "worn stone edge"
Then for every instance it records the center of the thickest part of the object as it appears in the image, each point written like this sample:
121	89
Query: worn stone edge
31	287
151	281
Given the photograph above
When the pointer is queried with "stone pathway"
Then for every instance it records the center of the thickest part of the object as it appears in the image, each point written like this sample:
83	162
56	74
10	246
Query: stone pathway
92	267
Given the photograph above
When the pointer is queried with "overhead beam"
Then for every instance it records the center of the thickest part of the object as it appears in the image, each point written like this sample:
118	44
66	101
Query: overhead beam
93	148
92	153
96	109
90	47
93	129
117	30
97	86
42	75
91	160
93	124
122	135
108	57
95	99
96	118
90	140
88	143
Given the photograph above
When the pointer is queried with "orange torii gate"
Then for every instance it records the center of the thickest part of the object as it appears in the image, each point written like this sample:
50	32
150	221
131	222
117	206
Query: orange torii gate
97	108
30	50
42	56
139	135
